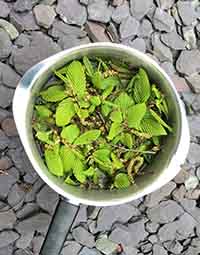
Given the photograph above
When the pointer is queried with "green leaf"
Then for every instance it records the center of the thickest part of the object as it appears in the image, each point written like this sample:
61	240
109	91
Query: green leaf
43	136
127	140
89	172
135	115
77	79
156	140
97	79
162	122
115	129
95	100
102	157
116	162
43	111
110	81
141	90
61	76
116	116
68	158
155	92
82	113
107	91
53	161
70	133
83	103
122	181
152	127
88	66
53	94
88	137
124	102
105	109
64	112
78	171
69	181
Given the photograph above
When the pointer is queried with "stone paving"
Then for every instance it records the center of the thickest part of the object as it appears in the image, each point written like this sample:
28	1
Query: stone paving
164	222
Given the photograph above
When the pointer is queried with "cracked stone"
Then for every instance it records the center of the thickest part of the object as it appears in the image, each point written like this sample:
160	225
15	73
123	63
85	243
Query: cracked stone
8	237
194	82
44	15
81	216
165	4
72	12
192	57
161	51
146	28
47	199
7	219
191	183
99	11
38	222
3	138
82	236
5	44
24	241
40	48
121	12
129	27
187	12
8	126
193	155
152	227
87	251
173	40
71	247
166	211
106	246
190	37
23	5
16	195
159	250
8	76
109	215
27	210
163	21
139	8
23	21
173	246
154	198
5	10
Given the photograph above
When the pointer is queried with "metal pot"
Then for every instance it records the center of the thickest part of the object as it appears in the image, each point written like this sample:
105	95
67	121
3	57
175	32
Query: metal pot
164	167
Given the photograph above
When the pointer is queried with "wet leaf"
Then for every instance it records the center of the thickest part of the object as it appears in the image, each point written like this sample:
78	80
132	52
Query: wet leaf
116	162
124	102
115	129
53	161
64	112
110	81
53	94
152	127
77	79
43	136
116	116
122	181
159	120
43	111
68	158
70	133
127	140
88	137
97	79
78	171
95	100
135	115
105	109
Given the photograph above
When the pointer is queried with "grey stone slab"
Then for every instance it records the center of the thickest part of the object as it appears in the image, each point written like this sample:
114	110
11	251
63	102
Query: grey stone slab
37	244
194	122
71	12
96	32
24	241
146	28
9	127
168	67
173	246
154	198
191	183
194	81
23	5
99	11
71	247
7	219
163	21
5	44
138	44
151	227
161	51
192	57
8	250
166	211
82	236
128	28
27	210
190	37
40	48
139	8
106	246
6	182
121	234
138	232
6	96
159	250
165	4
47	199
173	40
5	10
193	155
179	193
121	12
8	237
81	216
44	15
67	42
8	76
187	12
16	195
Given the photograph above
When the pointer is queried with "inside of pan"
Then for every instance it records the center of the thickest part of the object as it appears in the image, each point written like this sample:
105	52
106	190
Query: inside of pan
159	163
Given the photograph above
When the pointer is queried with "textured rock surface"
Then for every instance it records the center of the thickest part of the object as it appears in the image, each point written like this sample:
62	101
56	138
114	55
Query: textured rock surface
164	222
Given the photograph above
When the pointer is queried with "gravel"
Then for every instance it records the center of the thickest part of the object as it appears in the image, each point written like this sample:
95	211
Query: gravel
44	15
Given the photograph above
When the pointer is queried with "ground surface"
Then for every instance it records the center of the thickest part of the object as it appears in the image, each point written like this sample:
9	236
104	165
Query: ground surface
165	222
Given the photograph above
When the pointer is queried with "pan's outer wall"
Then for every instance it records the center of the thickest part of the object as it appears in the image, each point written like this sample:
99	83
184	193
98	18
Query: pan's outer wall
164	167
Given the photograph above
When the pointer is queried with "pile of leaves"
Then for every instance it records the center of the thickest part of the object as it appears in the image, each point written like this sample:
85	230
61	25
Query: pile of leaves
98	124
